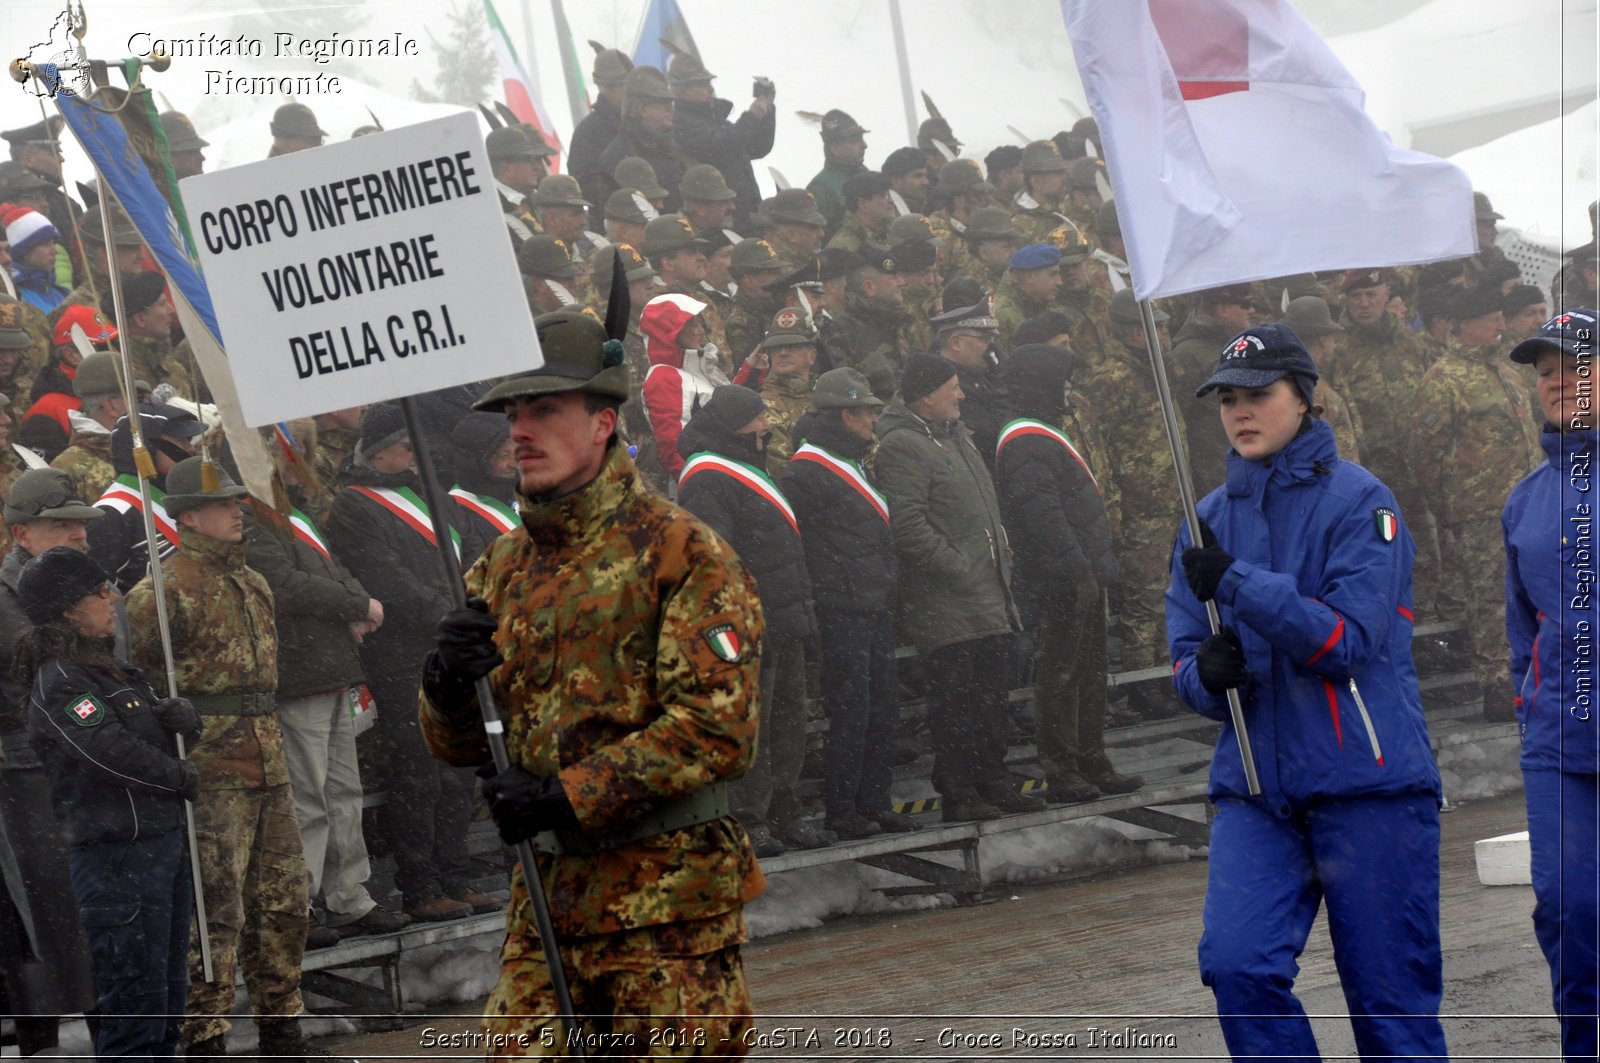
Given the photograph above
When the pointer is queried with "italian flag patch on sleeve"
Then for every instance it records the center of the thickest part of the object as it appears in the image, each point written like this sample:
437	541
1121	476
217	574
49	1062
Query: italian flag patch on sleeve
724	642
1388	524
87	711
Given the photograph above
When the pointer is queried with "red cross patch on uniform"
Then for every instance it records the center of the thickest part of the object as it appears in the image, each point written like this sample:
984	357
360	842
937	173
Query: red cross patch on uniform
1387	523
87	711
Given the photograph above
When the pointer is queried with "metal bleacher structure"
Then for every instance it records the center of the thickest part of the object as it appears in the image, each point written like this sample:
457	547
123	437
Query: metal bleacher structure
1172	750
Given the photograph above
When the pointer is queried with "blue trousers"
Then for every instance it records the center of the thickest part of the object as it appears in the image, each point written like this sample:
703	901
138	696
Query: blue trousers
1564	839
135	902
1375	861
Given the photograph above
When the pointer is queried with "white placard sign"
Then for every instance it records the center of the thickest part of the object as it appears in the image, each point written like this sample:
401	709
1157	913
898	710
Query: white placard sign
362	271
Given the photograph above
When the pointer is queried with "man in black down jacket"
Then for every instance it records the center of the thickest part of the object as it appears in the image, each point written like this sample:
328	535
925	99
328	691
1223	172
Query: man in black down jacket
844	523
599	127
701	130
428	804
1056	517
647	113
725	484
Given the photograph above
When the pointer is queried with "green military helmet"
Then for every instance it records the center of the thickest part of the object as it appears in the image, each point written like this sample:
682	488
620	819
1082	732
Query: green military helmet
559	190
46	494
180	132
790	328
666	234
123	234
686	69
630	205
992	223
1081	173
610	65
507	145
1124	309
186	485
963	177
1042	156
13	335
296	120
646	84
912	227
635	268
704	183
578	356
755	256
635	172
843	389
546	256
97	375
796	206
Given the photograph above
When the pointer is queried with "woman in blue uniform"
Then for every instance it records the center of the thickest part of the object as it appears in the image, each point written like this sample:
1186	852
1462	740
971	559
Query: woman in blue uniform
1310	568
118	789
1553	620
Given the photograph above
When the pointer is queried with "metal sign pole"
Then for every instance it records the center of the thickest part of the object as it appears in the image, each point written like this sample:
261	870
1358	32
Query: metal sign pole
1180	463
493	729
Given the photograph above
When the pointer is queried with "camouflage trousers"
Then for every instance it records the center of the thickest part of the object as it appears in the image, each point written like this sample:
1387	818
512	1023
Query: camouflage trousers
1144	555
1473	591
673	990
255	891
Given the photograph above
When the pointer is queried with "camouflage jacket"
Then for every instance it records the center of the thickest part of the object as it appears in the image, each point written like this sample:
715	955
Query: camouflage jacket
1038	220
88	461
787	399
853	236
747	322
1085	308
871	338
1342	419
630	634
224	641
10	469
1474	435
1137	456
1012	307
1378	371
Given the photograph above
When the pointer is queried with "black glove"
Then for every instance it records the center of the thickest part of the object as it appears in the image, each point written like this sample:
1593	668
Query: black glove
1220	660
523	804
1203	567
466	641
188	780
177	716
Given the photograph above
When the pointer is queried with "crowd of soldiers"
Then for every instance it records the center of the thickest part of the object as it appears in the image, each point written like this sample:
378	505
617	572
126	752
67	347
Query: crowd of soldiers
908	397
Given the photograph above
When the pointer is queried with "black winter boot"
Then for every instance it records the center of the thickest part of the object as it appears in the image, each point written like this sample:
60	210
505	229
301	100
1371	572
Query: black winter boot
211	1046
283	1042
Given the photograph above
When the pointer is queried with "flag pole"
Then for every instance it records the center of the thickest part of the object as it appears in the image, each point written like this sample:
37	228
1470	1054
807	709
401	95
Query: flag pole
897	24
494	731
144	467
1180	464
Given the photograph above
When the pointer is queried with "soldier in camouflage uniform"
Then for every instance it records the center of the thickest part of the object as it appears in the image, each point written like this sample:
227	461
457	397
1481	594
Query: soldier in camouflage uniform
148	339
754	265
1379	372
1139	465
798	226
1474	422
1037	208
627	213
1308	316
1083	305
991	240
225	652
916	256
550	278
629	699
791	348
867	213
870	333
1083	201
1030	287
964	190
24	349
87	458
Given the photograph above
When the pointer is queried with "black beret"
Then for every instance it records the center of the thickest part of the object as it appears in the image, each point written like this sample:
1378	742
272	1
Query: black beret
139	292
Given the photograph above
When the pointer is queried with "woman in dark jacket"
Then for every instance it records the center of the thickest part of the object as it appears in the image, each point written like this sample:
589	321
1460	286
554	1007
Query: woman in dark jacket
844	523
1310	569
1553	617
725	484
1056	518
118	788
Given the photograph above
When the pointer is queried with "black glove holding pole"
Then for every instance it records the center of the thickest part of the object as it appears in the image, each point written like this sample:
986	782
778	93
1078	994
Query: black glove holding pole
523	804
178	716
1205	565
1220	660
466	652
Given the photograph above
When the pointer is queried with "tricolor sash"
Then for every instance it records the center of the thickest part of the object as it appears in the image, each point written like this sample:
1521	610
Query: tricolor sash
748	475
412	511
1026	427
306	531
123	495
496	512
849	472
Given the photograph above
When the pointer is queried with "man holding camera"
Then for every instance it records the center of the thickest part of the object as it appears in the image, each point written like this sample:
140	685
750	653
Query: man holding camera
702	132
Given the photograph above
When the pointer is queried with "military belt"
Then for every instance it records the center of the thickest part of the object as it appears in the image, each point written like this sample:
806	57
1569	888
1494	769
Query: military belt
702	806
232	704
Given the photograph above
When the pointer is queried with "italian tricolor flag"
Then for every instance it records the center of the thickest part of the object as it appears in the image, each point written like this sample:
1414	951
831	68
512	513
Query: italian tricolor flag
518	86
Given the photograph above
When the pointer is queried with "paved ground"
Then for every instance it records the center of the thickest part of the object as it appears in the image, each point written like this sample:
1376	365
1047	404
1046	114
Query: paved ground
1077	964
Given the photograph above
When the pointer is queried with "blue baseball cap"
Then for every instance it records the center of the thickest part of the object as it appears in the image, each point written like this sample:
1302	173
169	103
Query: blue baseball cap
1258	356
1036	256
1571	332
